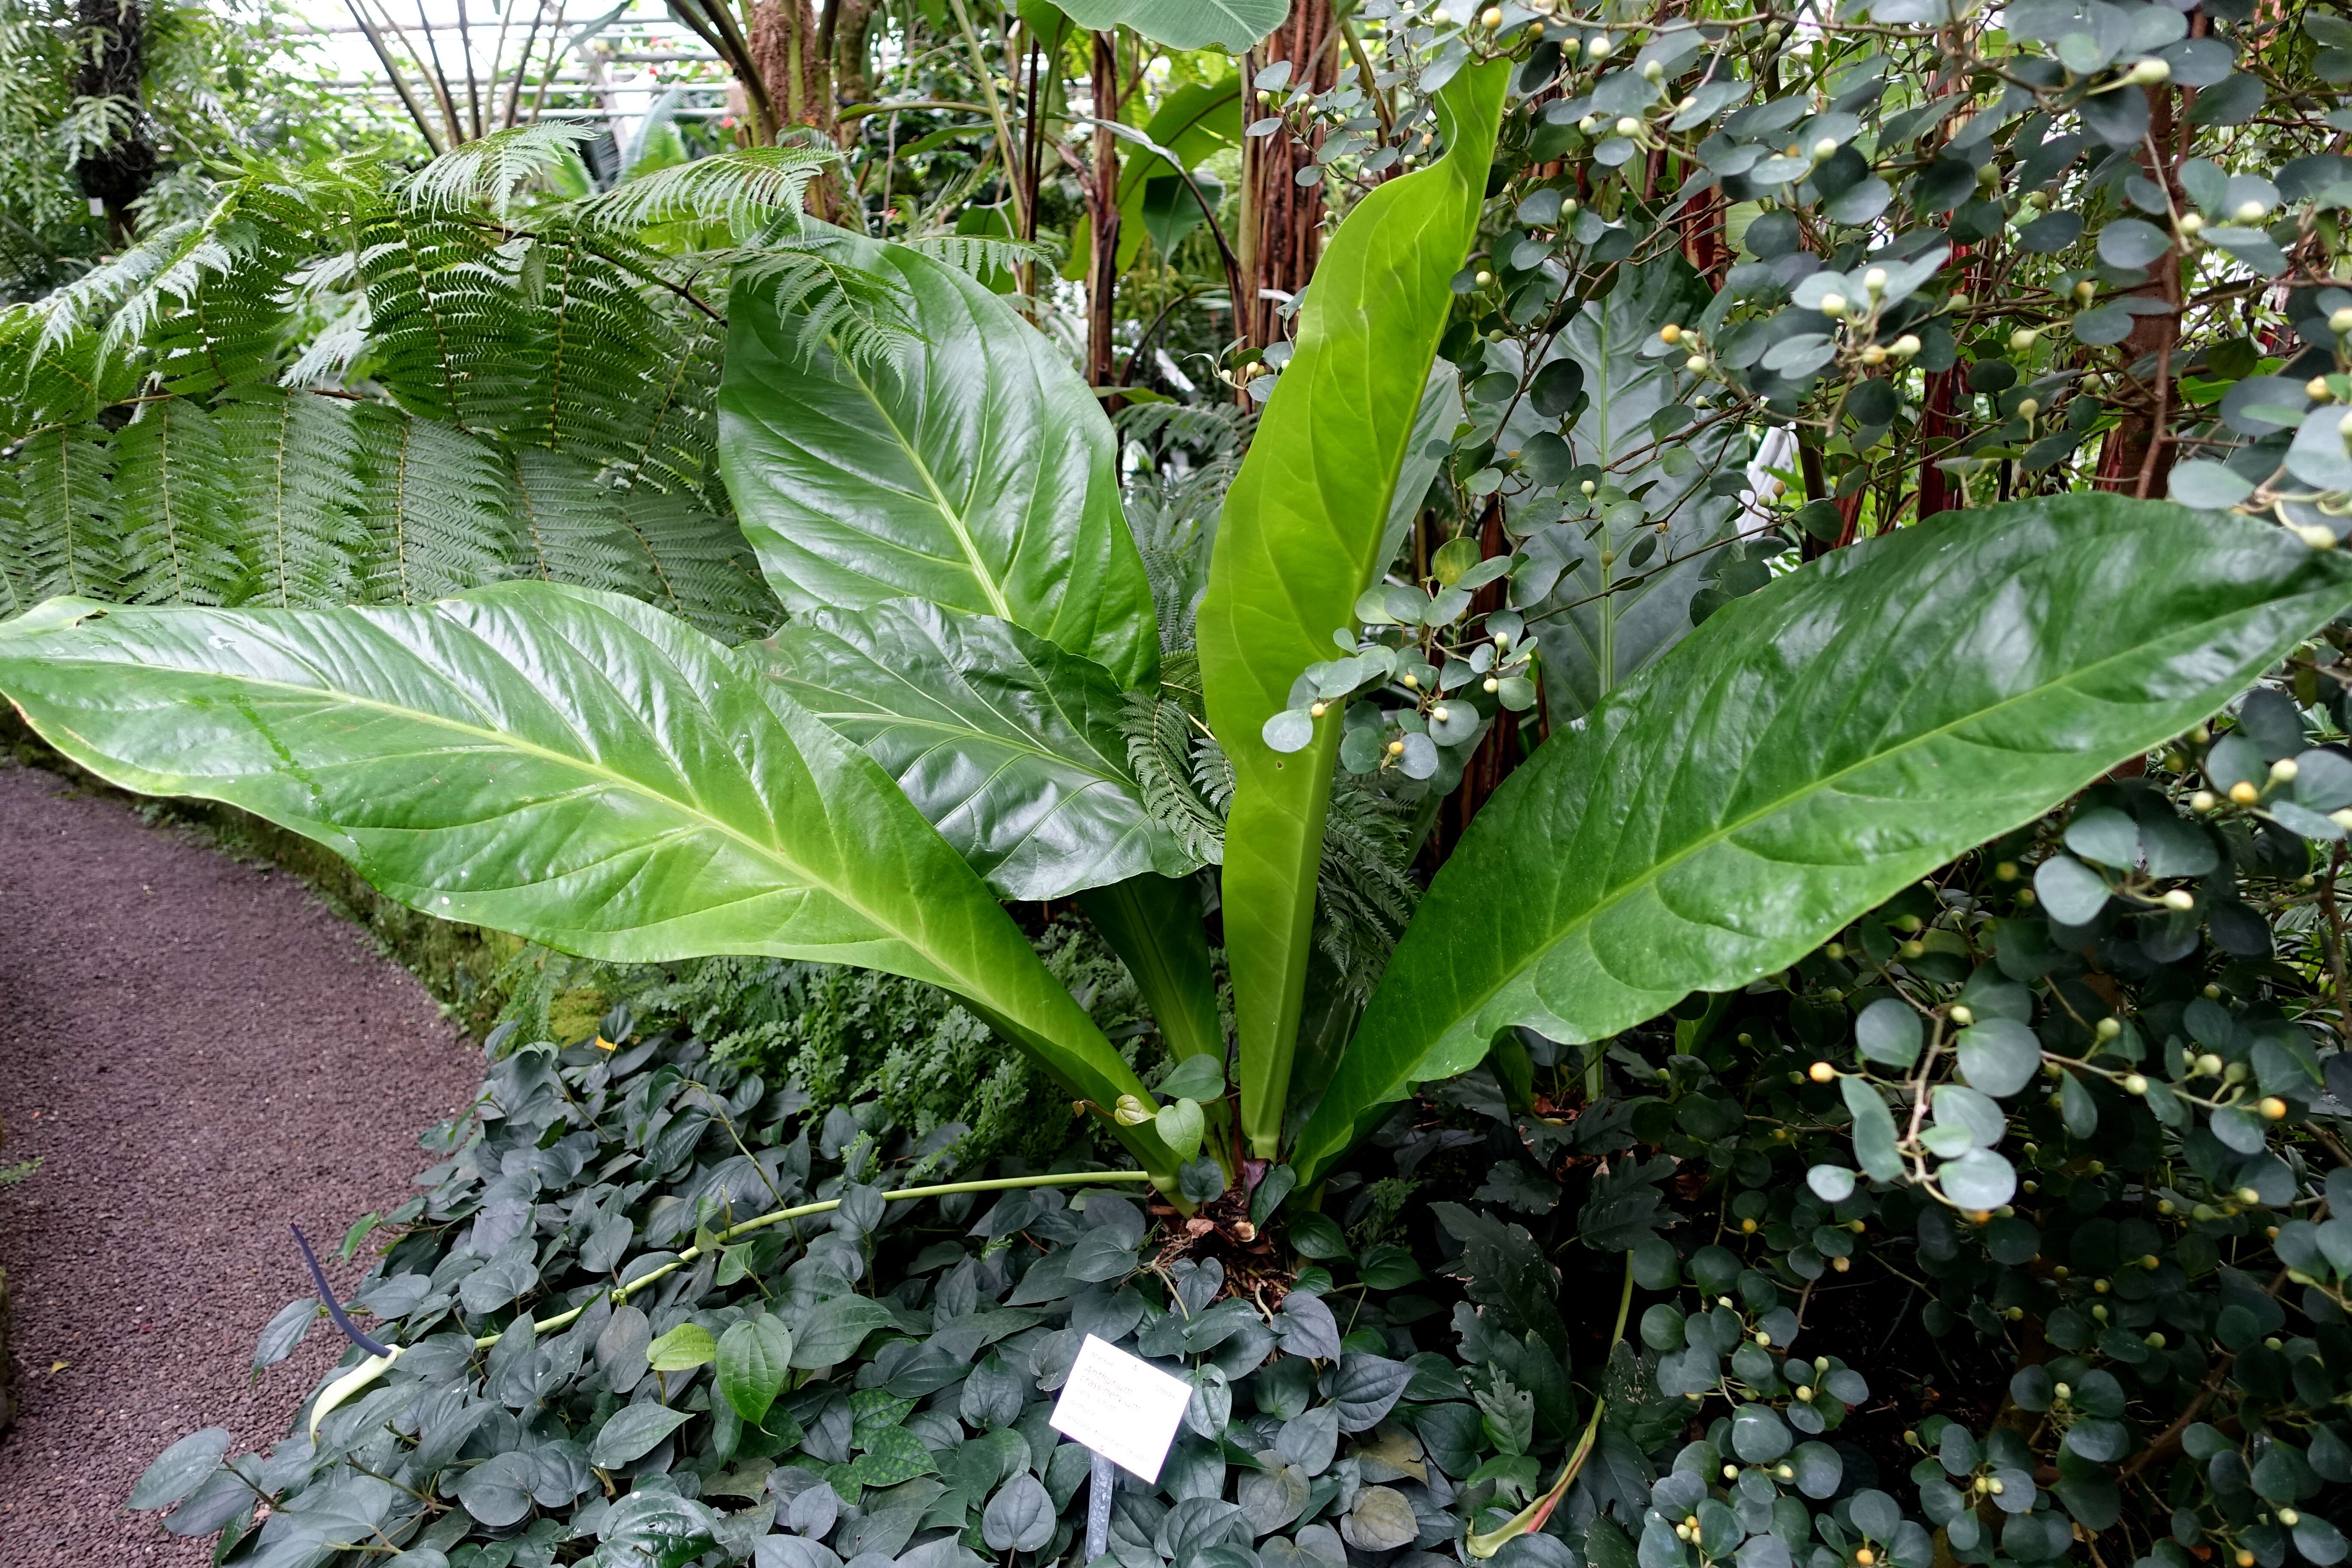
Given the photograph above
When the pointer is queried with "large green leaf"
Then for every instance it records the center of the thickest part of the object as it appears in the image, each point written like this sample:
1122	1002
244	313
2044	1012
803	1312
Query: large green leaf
1229	25
1010	746
1814	748
979	474
1300	539
1598	622
572	766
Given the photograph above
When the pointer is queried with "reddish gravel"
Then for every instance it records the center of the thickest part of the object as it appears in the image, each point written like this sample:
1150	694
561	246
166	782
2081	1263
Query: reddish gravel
199	1052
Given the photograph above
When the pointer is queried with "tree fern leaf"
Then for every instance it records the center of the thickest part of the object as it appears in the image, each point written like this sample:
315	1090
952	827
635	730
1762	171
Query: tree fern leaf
297	459
47	380
567	529
982	256
704	568
433	508
676	451
744	189
57	522
490	172
177	507
450	333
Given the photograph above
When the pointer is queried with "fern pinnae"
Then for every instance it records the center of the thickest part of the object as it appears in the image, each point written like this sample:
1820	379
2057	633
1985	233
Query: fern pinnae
179	530
743	188
490	172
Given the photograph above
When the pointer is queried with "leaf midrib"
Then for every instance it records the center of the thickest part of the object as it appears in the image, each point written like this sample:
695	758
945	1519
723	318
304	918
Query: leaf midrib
999	604
1658	869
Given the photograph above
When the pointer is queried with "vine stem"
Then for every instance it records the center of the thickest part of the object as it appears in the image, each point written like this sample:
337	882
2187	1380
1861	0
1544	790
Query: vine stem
620	1293
1532	1517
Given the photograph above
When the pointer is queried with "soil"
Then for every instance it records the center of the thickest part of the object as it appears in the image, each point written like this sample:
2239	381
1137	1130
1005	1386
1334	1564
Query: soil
198	1053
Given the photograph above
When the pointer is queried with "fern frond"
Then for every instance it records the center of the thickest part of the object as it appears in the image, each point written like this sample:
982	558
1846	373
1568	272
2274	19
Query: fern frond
1364	894
1160	739
450	331
81	304
46	381
677	451
980	256
56	519
487	173
433	506
744	189
177	503
297	459
1212	430
860	316
567	530
704	568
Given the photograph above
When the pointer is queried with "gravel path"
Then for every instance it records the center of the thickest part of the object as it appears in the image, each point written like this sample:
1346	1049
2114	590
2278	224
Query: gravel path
199	1052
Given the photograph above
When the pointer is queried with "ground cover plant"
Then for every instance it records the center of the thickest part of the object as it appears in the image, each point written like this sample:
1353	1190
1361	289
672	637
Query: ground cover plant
1617	945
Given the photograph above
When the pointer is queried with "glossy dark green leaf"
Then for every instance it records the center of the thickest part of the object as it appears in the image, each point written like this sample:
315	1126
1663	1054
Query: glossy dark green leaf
1874	1130
181	1468
1812	750
1297	543
979	474
497	1491
754	1358
2000	1055
571	766
1007	744
633	1431
284	1332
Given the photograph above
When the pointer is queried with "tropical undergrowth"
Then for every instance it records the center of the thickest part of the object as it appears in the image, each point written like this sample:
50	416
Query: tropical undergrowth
1646	1268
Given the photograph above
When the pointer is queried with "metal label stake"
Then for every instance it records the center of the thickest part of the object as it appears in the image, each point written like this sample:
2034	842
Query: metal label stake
1101	1481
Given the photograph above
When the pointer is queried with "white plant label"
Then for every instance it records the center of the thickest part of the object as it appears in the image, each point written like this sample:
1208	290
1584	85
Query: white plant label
1121	1407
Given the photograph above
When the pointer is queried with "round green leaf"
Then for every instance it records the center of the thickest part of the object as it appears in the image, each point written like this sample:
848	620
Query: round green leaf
1831	1184
1978	1179
2208	486
1889	1031
1181	1125
2000	1056
2071	892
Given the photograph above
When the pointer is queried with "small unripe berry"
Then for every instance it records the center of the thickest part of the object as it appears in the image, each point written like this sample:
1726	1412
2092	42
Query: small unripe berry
1491	685
2023	338
2203	801
1628	126
2289	1518
1440	715
1820	1072
1655	71
2252	212
1864	1557
2145	73
1825	148
1873	354
2318	391
2190	223
1956	302
2109	1028
1491	18
1904	347
1316	709
1784	1472
1600	46
1670	333
1695	363
2248	1196
2028	407
2134	1083
1963	1015
2180	898
1731	1472
2244	793
1833	950
2283	771
2006	871
1484	279
2341	322
1396	748
1833	305
2273	1108
1841	1264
